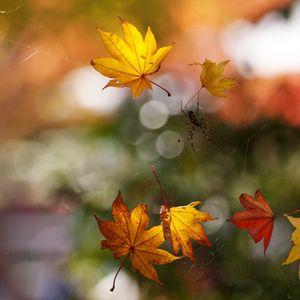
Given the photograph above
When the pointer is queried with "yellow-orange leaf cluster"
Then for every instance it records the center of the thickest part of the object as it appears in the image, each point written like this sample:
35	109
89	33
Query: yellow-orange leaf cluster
127	235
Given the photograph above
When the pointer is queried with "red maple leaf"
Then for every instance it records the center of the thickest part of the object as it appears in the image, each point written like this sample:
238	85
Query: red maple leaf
257	218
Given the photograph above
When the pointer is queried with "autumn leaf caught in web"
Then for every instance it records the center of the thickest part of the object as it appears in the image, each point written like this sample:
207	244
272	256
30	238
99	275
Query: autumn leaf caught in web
295	251
133	59
213	79
127	236
257	218
182	224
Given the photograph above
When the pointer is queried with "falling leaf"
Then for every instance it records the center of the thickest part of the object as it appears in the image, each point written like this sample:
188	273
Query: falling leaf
257	218
295	251
182	224
127	236
133	59
212	77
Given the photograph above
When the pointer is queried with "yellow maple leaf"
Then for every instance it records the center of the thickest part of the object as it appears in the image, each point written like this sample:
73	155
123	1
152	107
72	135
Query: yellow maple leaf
183	223
127	236
133	59
295	251
212	77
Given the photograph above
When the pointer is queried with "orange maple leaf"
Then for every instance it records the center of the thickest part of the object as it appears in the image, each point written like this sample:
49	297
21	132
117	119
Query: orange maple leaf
182	224
258	218
127	236
133	59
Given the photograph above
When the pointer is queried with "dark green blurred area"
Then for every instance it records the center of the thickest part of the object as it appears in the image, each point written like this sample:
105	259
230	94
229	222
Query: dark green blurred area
102	13
79	169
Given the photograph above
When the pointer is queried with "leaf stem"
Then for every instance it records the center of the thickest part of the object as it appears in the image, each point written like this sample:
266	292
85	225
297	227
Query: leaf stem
168	93
197	93
121	266
293	212
160	186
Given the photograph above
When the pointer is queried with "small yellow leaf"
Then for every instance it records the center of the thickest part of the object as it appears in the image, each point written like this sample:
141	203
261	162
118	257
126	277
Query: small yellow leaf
133	58
183	223
295	251
212	78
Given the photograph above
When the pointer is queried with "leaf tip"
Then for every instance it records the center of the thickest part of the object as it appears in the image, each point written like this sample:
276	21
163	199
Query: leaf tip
284	263
121	19
208	244
195	64
242	195
258	192
159	282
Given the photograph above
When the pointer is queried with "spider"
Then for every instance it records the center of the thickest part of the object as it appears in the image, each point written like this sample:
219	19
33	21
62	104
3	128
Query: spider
197	121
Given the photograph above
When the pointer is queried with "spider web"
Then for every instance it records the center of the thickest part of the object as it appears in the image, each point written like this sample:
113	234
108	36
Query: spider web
34	50
202	130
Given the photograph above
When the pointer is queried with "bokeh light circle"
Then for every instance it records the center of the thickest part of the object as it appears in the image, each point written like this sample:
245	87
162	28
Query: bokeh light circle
145	146
169	145
153	115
